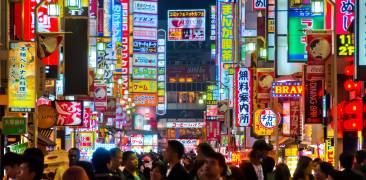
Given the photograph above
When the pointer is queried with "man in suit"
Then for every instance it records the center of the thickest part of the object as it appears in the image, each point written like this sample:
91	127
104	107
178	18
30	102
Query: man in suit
173	155
253	169
347	160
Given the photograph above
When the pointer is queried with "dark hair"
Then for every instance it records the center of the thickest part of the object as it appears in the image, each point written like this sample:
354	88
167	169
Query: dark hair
114	152
101	157
302	164
326	168
34	163
346	160
205	148
127	155
360	156
177	147
282	172
162	167
268	163
221	159
34	152
11	159
317	160
75	149
236	173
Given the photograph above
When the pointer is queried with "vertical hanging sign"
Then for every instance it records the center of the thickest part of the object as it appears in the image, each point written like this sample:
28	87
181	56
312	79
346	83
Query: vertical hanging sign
162	103
244	104
227	34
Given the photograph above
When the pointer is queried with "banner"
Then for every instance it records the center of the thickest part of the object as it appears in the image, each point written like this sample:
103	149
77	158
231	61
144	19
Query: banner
22	77
187	25
70	113
319	47
314	92
345	14
147	7
145	20
149	60
144	73
265	78
213	130
226	32
244	102
14	125
141	46
143	86
100	97
142	99
48	44
145	33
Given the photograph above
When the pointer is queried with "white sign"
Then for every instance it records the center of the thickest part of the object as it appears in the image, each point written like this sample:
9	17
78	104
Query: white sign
188	142
145	33
145	20
259	4
185	124
145	60
244	97
145	7
361	32
268	119
137	140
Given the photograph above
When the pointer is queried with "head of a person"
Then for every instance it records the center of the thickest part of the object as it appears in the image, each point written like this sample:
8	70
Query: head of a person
268	163
130	161
200	173
260	150
282	172
11	162
323	170
360	156
74	156
174	151
75	173
116	155
31	168
346	159
158	171
101	161
304	167
316	161
203	150
215	166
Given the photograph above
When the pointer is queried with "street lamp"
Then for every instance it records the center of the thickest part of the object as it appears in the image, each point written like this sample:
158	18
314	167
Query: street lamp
53	9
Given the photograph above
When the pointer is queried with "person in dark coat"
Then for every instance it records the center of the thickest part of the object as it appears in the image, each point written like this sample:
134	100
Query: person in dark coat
347	160
173	155
74	160
131	170
102	163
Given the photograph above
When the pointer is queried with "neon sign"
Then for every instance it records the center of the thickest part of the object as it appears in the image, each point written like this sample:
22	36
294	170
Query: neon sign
287	89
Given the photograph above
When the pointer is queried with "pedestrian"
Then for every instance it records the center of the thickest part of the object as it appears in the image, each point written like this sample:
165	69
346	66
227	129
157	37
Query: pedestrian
253	169
131	170
236	174
158	171
304	169
187	163
11	162
360	165
268	163
74	160
215	167
75	173
31	167
200	171
116	155
173	155
323	171
282	172
203	150
347	159
102	163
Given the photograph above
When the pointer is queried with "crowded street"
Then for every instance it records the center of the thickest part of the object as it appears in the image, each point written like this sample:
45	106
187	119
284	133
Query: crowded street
182	89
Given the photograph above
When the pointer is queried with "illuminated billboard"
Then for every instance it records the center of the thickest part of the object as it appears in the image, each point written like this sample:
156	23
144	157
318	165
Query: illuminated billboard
145	20
187	25
22	76
226	31
147	7
143	86
145	33
287	89
144	73
145	60
244	93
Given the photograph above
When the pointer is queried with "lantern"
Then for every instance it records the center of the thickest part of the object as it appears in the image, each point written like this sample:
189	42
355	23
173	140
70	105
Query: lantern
349	85
349	70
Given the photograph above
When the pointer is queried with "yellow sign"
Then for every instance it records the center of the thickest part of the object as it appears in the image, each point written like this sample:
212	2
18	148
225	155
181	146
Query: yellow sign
21	83
259	129
143	86
329	151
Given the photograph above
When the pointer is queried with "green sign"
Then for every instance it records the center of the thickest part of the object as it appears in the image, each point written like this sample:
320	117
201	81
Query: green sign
19	148
299	21
14	125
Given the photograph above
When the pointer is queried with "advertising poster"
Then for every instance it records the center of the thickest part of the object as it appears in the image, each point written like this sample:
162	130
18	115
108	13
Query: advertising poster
144	99
258	128
14	125
299	21
149	60
100	97
22	77
345	14
143	86
145	33
144	73
213	130
145	20
314	92
265	77
86	139
143	46
211	112
223	107
148	7
244	102
319	47
144	118
187	25
111	109
226	37
70	113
